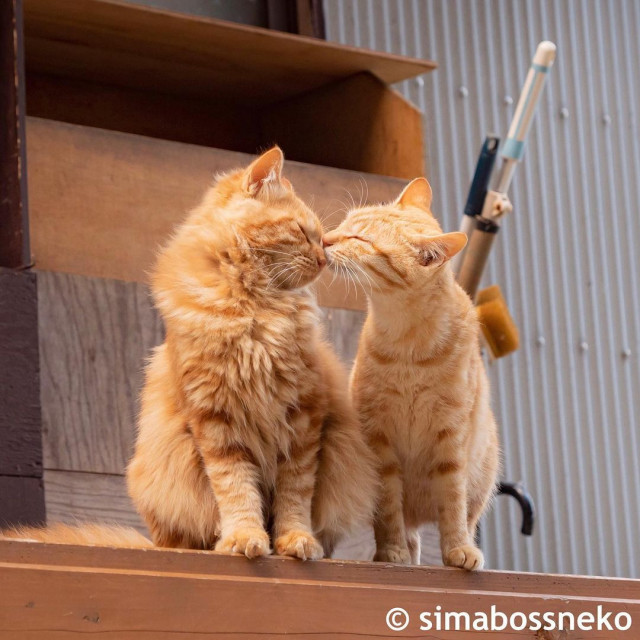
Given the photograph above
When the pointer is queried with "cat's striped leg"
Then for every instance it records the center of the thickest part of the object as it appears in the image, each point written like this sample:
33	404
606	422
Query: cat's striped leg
295	483
449	489
388	524
235	479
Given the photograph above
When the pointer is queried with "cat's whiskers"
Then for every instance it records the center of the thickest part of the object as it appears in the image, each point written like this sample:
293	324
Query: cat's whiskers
369	281
281	272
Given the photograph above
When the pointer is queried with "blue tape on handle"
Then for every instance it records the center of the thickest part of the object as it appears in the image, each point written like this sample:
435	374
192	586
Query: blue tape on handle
513	149
539	67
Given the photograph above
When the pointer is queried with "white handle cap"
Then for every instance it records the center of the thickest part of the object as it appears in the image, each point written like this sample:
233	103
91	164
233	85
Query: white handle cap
545	54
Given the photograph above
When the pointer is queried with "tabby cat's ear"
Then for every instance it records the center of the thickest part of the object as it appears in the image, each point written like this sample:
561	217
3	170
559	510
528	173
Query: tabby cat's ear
434	250
264	171
416	194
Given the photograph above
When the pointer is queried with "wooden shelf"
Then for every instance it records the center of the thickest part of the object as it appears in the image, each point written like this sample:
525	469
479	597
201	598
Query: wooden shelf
113	65
118	43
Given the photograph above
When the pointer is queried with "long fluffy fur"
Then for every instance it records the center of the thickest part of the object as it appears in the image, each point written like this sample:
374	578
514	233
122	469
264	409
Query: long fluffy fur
105	535
245	428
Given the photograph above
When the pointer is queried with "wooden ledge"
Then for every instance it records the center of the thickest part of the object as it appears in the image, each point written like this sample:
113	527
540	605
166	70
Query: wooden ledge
115	42
53	591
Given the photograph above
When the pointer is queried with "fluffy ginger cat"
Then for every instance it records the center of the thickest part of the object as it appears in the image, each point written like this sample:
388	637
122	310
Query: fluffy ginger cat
419	383
246	426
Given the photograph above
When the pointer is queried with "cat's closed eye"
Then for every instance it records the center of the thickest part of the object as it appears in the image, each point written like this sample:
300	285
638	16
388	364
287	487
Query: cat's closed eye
359	238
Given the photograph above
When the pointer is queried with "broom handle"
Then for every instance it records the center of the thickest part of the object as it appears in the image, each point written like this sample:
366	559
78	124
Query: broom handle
513	148
496	203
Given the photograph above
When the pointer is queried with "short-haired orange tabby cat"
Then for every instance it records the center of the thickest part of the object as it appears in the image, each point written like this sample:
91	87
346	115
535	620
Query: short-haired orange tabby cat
419	383
246	424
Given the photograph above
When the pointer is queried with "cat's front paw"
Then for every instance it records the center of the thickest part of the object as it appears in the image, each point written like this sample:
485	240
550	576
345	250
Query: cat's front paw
393	553
299	544
252	542
464	557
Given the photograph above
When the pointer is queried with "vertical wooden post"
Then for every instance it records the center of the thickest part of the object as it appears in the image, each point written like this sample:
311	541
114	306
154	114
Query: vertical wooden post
14	228
21	490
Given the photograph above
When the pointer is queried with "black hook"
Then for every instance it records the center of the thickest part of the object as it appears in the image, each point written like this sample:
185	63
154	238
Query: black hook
517	491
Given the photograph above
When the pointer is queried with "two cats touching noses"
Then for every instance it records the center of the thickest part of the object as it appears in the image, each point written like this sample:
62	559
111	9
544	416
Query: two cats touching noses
251	439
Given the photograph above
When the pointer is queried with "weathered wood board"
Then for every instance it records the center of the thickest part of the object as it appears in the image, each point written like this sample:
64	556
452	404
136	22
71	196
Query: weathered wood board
73	496
55	591
102	202
22	501
20	438
14	229
94	336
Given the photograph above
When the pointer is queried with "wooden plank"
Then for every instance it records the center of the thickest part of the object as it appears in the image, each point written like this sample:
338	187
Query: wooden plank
54	600
72	496
94	337
115	42
274	567
20	417
373	128
102	202
180	118
14	230
21	501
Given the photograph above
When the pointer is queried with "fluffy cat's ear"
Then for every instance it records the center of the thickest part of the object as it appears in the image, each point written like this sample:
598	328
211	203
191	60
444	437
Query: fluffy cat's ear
416	194
438	249
264	171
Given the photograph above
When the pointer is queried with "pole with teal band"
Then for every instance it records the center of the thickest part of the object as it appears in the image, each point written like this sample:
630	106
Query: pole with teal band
497	202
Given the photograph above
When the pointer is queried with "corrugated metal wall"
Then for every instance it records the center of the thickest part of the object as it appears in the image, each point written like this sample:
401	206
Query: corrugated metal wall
568	258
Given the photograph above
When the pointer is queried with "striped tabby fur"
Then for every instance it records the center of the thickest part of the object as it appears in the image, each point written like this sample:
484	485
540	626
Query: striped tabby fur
419	383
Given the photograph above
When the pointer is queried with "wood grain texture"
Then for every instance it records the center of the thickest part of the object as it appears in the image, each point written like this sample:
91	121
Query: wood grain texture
94	337
373	128
73	496
209	562
54	591
102	202
20	415
14	230
118	43
21	501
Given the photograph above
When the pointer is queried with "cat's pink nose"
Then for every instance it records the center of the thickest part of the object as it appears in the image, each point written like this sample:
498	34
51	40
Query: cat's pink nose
322	261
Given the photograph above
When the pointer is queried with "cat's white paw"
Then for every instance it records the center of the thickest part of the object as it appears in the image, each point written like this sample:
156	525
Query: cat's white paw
466	557
299	544
252	542
393	553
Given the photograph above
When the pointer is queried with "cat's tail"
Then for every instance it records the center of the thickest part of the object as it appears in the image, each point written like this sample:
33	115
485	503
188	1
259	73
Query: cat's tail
86	534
